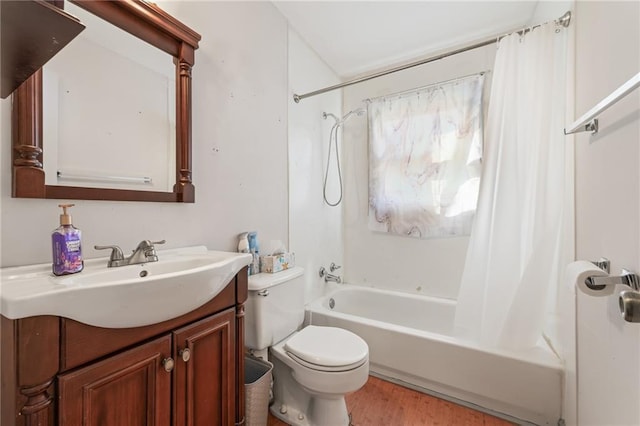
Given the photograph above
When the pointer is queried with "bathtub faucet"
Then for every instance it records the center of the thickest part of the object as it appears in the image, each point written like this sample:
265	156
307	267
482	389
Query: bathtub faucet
329	277
334	278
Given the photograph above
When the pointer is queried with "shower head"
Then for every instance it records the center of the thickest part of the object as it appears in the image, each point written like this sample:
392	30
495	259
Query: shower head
358	112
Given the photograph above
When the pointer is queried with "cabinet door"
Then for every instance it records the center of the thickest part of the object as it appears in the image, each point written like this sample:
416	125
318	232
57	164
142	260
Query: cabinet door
204	391
129	389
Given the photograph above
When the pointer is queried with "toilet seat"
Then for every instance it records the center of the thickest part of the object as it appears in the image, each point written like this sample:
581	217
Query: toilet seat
327	348
317	367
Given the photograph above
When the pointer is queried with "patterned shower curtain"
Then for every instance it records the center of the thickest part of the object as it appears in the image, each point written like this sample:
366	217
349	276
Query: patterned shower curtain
425	148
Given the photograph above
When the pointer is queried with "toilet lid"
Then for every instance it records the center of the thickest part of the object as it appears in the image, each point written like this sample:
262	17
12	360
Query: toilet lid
327	347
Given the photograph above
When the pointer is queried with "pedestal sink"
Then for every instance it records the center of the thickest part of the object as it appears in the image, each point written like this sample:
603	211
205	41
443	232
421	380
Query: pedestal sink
127	296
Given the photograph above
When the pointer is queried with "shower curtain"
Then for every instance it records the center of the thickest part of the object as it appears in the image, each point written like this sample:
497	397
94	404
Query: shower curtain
515	247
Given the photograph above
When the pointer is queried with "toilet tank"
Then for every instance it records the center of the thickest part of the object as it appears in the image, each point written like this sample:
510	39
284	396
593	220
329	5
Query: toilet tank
275	307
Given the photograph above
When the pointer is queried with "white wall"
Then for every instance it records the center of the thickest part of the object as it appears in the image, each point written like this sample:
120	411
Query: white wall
607	209
420	266
315	228
550	10
239	149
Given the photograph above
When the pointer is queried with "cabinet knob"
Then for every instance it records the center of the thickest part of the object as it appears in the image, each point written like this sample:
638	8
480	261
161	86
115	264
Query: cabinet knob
185	354
168	364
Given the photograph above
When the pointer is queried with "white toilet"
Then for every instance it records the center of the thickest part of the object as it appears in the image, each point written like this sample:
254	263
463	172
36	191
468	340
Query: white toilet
313	367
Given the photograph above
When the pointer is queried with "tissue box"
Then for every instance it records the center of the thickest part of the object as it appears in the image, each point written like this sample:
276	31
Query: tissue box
277	263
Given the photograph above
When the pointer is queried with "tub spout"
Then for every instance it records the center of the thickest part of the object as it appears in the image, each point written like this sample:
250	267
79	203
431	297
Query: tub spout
329	277
334	278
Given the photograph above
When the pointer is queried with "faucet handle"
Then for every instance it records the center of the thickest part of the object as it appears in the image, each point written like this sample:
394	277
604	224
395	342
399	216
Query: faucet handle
149	243
147	247
116	252
333	267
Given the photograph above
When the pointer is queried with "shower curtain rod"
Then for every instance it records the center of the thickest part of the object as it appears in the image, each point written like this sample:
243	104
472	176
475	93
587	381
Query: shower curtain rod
564	20
421	88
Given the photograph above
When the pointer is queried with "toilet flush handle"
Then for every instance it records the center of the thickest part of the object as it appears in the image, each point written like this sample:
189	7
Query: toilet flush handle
263	293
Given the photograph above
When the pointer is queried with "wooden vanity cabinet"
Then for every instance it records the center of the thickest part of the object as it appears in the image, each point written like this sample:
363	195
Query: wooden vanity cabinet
187	371
130	388
204	389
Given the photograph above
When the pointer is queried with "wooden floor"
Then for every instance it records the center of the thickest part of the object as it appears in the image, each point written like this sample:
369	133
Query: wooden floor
381	403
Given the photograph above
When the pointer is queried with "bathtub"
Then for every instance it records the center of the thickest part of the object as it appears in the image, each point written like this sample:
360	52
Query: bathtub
411	341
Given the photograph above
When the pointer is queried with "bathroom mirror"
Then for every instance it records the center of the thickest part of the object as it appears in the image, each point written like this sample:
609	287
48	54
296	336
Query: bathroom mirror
36	175
135	147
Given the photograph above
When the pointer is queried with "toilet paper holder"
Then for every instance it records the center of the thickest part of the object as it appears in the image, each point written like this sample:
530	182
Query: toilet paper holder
628	300
627	277
603	263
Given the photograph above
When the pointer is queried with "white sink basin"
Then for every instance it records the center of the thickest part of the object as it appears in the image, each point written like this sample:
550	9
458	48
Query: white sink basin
127	296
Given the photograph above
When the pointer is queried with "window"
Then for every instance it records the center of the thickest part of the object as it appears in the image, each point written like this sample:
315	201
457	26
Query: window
425	150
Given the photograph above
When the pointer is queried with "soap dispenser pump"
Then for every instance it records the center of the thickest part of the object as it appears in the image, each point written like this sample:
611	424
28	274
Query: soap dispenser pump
66	245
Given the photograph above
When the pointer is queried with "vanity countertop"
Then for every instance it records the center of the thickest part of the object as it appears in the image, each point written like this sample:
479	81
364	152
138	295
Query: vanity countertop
128	296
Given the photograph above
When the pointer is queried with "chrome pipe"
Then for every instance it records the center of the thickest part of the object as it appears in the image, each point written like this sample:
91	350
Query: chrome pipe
588	122
564	21
297	98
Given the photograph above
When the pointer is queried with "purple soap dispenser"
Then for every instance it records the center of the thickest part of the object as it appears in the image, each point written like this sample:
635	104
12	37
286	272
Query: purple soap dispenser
67	250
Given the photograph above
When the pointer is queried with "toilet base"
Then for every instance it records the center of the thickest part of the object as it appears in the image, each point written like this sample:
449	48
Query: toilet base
329	412
321	412
296	405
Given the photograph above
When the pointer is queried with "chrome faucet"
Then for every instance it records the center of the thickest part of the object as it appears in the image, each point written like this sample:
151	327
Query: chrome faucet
329	277
144	253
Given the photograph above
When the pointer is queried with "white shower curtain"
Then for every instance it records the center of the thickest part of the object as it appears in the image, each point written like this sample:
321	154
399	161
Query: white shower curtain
515	245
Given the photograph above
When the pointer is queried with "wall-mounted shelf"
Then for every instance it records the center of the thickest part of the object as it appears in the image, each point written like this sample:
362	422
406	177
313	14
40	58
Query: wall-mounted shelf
588	122
32	32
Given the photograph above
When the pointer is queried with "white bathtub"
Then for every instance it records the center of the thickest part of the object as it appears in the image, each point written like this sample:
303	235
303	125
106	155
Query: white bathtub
410	340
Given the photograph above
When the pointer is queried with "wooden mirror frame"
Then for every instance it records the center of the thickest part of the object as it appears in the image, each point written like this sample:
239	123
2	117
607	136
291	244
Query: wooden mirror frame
151	24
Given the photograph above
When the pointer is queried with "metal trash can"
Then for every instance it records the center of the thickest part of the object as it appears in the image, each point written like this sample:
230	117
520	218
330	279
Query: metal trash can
257	385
